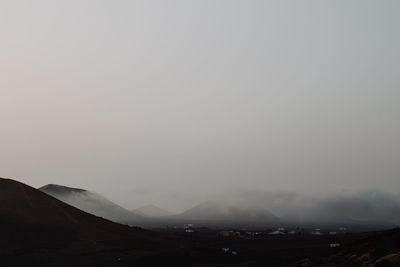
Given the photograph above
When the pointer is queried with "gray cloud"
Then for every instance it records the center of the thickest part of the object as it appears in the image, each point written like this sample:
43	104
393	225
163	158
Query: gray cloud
356	207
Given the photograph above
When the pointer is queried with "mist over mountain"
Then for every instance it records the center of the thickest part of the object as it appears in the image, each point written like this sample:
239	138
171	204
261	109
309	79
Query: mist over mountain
92	203
363	207
35	213
269	128
227	212
368	207
37	229
349	207
151	211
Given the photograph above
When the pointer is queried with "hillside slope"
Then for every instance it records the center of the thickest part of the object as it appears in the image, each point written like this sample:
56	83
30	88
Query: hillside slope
37	229
92	203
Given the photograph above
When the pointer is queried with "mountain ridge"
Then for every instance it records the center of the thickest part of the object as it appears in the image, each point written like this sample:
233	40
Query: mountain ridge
92	203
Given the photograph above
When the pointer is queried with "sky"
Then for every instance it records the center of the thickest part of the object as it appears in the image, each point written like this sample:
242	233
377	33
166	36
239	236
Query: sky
168	102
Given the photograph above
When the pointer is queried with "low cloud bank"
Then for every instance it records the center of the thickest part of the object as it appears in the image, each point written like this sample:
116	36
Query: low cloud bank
368	206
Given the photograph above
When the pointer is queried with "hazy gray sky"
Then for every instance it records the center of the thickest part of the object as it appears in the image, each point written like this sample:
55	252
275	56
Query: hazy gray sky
165	102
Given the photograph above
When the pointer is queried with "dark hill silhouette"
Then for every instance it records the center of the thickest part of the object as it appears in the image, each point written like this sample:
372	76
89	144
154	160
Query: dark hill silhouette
32	221
22	203
92	203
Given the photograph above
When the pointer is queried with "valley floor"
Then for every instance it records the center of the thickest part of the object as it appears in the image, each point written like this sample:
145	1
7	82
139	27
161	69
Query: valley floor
207	247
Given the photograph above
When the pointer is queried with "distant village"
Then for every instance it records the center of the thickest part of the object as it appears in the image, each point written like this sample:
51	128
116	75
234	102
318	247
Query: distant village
190	230
244	233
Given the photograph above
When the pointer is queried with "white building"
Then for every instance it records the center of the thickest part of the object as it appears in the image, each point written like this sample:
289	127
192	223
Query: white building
316	232
277	232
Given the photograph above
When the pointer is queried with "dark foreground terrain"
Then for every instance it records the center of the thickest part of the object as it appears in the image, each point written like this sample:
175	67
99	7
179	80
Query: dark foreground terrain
39	230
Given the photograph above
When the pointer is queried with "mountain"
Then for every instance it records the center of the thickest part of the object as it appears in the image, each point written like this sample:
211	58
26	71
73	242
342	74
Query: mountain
217	211
37	229
152	211
92	203
20	203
